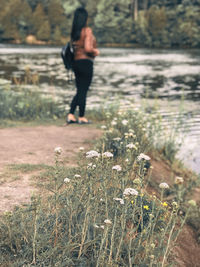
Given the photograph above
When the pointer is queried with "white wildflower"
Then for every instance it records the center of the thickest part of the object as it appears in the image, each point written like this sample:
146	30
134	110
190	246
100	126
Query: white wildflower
117	168
81	148
67	180
107	154
131	135
131	145
107	221
103	127
143	156
77	176
102	226
89	165
113	123
124	122
130	192
179	180
92	154
96	226
101	199
108	114
163	185
121	201
126	160
58	150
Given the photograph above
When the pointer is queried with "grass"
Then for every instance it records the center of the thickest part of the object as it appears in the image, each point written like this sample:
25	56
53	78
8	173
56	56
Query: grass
5	123
25	105
13	172
26	168
100	213
21	106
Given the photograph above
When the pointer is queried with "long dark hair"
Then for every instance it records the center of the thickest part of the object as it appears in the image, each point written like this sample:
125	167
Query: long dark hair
79	22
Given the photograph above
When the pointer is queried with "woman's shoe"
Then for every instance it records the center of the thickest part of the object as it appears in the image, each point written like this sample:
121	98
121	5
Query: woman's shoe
70	121
84	122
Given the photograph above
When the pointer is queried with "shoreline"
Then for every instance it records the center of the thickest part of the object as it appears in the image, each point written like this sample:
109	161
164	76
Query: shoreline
100	45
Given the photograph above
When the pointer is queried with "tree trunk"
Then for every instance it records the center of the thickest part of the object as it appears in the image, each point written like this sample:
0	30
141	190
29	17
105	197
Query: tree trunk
135	10
145	5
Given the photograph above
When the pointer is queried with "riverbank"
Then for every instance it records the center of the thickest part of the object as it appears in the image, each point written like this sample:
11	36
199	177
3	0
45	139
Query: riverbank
121	145
32	41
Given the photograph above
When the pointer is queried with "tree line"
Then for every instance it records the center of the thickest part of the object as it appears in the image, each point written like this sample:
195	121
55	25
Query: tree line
143	23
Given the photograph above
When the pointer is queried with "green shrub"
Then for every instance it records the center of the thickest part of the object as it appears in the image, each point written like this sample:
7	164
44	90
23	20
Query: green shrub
27	105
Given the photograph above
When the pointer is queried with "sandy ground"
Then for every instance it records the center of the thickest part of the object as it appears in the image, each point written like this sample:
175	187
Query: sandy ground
35	145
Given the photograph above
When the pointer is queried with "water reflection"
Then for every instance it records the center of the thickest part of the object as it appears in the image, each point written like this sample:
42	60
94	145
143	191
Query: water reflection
127	74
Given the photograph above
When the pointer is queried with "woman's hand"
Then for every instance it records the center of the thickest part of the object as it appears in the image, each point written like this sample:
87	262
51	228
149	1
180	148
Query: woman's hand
96	52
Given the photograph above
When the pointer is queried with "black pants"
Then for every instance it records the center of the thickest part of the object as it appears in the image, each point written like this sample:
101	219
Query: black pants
83	70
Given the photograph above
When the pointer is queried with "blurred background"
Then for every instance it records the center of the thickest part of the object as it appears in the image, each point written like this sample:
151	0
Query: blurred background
146	23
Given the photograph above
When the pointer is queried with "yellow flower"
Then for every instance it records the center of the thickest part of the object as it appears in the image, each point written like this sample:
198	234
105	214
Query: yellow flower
132	201
146	207
164	204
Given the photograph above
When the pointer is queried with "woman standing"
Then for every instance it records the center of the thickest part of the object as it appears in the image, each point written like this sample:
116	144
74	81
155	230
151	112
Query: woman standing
84	44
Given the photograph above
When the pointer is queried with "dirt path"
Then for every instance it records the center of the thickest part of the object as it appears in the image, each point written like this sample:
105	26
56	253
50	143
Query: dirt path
35	145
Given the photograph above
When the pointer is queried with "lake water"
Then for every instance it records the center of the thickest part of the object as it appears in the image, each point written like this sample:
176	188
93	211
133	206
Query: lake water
128	76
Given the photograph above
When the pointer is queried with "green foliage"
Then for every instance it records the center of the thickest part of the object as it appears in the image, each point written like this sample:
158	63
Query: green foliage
91	7
111	14
70	6
57	35
39	18
55	13
27	105
150	23
16	19
44	31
